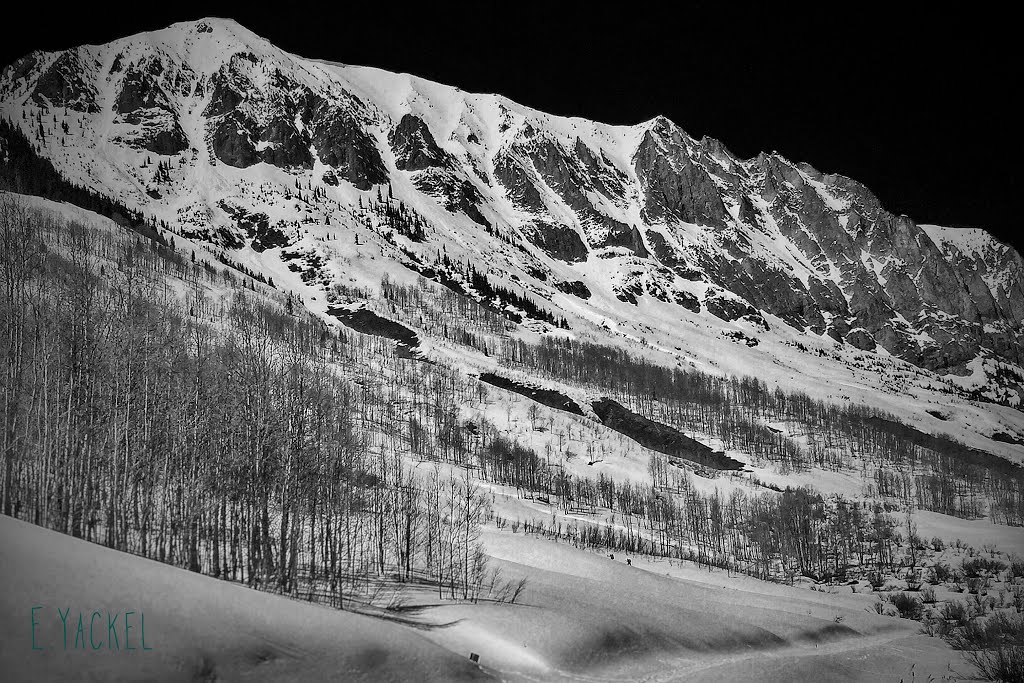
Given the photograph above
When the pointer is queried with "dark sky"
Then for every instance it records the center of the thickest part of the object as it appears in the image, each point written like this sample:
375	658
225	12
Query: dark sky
916	105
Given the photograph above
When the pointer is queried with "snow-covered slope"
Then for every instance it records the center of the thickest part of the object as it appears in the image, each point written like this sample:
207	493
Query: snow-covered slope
326	177
193	627
584	616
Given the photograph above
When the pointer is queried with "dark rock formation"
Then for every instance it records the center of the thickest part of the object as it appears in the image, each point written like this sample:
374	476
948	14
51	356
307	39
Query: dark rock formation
576	288
629	289
660	437
622	235
342	142
568	177
257	227
140	88
414	147
142	102
561	242
64	84
727	308
687	301
547	397
232	141
519	188
674	187
859	338
227	93
367	322
457	194
671	257
248	126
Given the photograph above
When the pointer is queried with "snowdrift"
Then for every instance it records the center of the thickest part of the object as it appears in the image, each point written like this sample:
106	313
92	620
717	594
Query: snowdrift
198	628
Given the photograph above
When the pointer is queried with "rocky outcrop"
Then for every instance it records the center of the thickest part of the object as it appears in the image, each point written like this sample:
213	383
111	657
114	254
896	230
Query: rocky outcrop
548	397
621	235
158	132
64	83
342	142
729	308
606	178
660	437
519	188
278	124
414	147
576	288
140	88
456	194
517	181
232	141
257	227
435	172
228	88
674	187
283	144
249	126
558	241
672	257
859	338
141	102
568	177
687	300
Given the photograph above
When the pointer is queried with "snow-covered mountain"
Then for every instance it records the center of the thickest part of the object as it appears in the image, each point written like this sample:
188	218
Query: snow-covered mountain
328	176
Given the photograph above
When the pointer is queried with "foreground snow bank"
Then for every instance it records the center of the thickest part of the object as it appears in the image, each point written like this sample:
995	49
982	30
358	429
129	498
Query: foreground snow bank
196	627
583	615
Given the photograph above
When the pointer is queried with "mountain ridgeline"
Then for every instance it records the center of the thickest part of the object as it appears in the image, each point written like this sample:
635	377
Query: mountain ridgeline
667	217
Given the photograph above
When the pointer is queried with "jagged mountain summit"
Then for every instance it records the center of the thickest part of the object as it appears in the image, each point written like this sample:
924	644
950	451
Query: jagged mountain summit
337	173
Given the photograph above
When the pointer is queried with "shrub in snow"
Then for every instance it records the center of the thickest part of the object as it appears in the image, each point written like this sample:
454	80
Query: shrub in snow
909	606
955	614
995	646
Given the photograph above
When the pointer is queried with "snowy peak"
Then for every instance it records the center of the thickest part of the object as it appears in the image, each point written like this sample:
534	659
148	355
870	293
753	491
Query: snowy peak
968	241
206	125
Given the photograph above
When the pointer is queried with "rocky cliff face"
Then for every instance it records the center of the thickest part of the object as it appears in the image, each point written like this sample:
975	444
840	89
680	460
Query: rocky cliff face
640	212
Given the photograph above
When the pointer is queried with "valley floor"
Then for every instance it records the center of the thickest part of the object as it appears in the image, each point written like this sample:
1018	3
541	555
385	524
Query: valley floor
583	617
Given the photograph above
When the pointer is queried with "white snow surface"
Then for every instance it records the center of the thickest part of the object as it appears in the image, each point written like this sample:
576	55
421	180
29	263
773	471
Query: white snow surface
583	617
